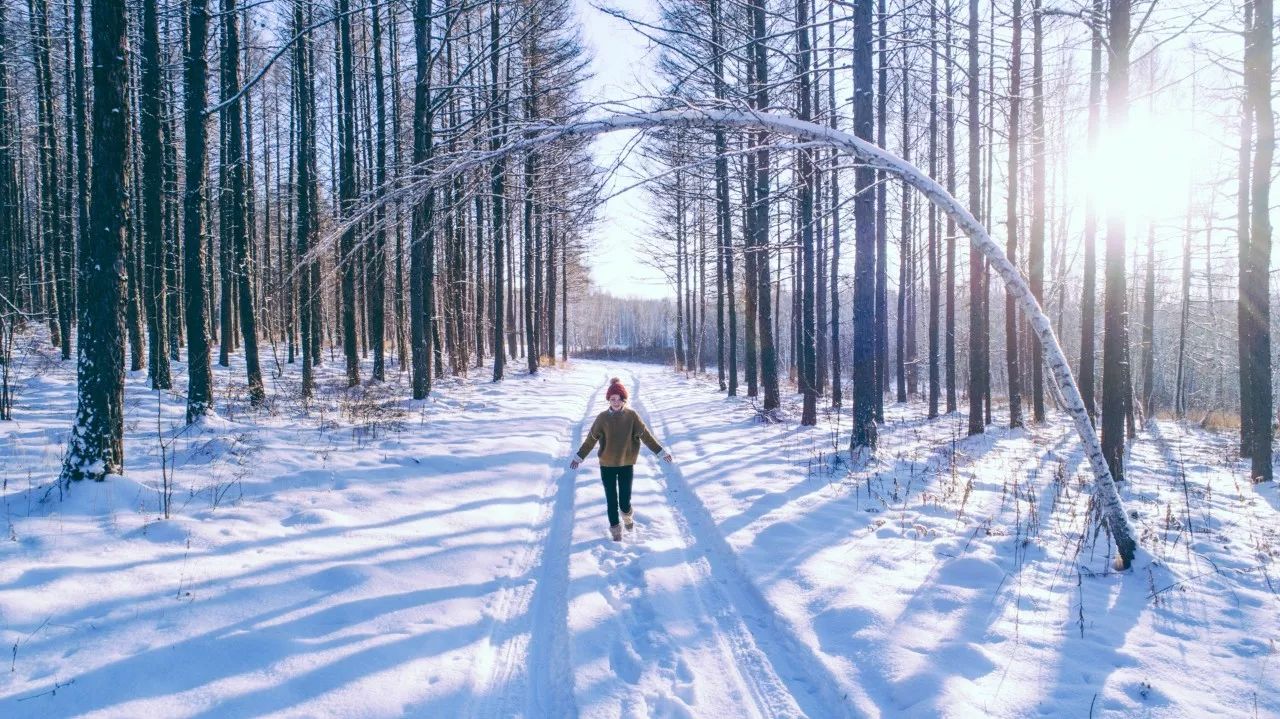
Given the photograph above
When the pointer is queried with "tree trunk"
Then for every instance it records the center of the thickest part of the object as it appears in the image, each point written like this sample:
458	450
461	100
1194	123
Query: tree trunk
1011	217
347	191
1179	383
96	447
58	243
83	169
951	223
153	114
977	272
807	180
529	270
378	267
1258	68
307	271
234	195
1148	325
1115	332
935	379
764	306
1243	349
880	215
750	264
1089	292
865	288
11	234
497	189
903	326
196	71
837	370
1036	249
724	217
422	239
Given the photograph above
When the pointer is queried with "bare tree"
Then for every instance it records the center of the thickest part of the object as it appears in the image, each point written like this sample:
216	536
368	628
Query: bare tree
96	447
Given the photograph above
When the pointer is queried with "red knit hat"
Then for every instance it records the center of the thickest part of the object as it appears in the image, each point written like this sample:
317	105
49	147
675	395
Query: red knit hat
615	387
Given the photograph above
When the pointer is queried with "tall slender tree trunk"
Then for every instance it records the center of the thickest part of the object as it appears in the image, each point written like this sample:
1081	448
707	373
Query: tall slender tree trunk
1011	217
56	239
806	191
837	369
950	294
1089	292
422	239
750	265
903	325
497	189
1115	388
935	280
237	229
195	310
880	318
865	389
11	232
1035	255
1243	174
531	274
378	267
764	305
347	191
84	171
153	116
1258	70
308	270
96	447
1148	326
724	218
977	271
1179	383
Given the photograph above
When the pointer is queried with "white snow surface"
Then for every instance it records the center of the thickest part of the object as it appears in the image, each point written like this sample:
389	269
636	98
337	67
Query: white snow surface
369	556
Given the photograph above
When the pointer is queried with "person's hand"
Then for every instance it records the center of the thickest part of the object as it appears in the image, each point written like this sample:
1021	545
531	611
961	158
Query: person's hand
666	457
575	463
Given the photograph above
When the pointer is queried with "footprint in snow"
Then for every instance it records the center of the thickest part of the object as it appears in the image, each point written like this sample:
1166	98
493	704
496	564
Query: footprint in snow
624	662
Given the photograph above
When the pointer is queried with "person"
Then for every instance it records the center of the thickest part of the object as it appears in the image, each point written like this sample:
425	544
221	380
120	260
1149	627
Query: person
619	430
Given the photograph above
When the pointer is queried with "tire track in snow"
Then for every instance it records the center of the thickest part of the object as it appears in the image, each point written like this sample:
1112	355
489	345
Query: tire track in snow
778	667
526	668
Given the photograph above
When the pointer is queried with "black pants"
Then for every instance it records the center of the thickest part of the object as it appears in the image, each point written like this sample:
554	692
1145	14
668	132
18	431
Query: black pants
617	489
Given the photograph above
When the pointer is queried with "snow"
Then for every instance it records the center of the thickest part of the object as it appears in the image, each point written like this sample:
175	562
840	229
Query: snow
365	555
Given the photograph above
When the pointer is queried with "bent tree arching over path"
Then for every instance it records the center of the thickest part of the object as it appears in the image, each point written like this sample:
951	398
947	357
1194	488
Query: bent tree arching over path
812	135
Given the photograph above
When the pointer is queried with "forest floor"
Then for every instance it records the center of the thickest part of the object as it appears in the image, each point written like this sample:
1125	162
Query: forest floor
364	555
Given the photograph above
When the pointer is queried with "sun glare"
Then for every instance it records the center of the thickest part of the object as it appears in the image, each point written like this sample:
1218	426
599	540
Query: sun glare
1145	170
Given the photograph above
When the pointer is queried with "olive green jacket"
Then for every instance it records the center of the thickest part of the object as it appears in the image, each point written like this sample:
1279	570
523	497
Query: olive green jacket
619	434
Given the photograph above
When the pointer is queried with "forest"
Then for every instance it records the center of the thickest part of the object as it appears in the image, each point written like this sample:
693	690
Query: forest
390	221
1007	217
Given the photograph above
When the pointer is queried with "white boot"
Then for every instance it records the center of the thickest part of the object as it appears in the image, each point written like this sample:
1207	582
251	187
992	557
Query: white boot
615	530
628	519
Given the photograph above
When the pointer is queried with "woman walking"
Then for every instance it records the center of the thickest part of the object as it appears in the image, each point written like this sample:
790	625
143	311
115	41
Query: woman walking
619	430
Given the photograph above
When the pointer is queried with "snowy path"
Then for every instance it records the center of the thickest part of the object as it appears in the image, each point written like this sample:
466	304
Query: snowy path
667	624
366	556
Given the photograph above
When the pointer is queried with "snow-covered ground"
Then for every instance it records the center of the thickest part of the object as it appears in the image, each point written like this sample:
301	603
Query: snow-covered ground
364	555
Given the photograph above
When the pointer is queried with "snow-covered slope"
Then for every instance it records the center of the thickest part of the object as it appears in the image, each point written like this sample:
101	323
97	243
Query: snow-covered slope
369	556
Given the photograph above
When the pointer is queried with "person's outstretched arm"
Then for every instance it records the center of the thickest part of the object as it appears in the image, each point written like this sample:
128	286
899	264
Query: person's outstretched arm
649	441
593	436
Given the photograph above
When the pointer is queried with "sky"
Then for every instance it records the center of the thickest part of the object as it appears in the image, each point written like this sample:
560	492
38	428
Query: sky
622	66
